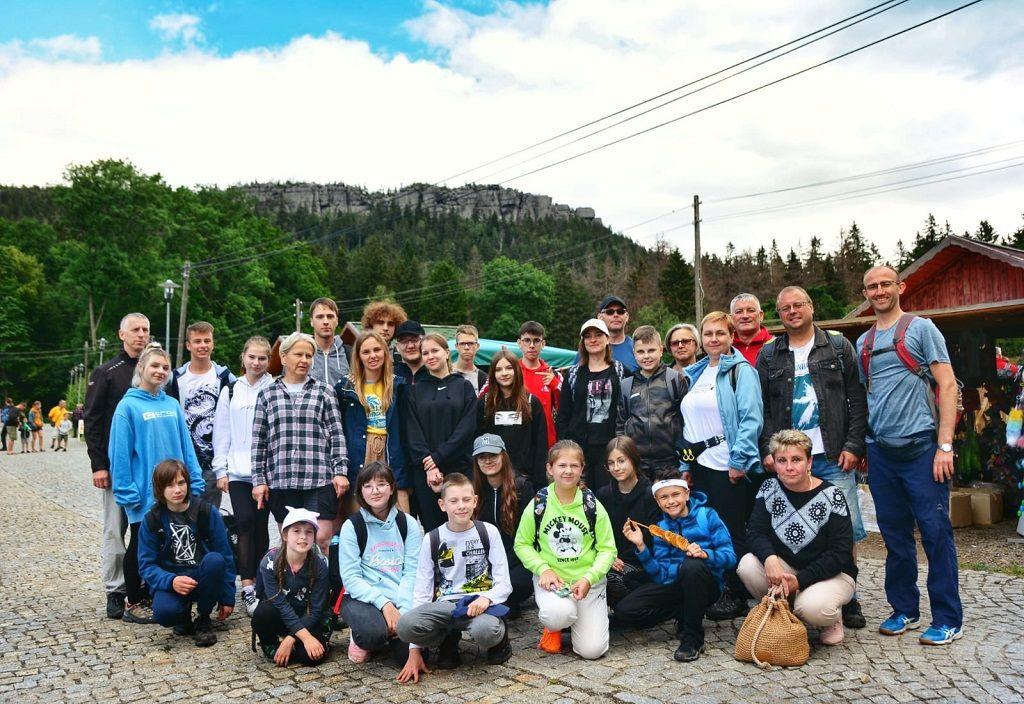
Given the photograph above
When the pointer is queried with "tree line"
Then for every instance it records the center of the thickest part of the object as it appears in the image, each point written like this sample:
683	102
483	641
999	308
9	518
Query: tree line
77	256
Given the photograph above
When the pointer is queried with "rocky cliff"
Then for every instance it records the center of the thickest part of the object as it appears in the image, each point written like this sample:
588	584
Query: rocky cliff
468	201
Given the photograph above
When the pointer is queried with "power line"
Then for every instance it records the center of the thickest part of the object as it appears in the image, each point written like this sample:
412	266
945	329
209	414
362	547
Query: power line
739	95
663	94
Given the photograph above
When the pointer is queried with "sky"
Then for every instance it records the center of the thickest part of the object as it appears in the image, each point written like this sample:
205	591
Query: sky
387	93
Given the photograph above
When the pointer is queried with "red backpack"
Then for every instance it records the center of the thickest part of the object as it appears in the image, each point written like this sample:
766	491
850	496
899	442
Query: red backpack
922	371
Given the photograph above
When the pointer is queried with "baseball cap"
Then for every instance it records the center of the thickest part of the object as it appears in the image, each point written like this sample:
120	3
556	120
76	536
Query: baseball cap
608	300
488	443
597	324
300	515
409	327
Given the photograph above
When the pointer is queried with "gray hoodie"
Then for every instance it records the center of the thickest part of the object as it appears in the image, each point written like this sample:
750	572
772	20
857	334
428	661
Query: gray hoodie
332	366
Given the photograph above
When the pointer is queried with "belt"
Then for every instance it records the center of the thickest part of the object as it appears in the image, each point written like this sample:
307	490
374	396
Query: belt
690	451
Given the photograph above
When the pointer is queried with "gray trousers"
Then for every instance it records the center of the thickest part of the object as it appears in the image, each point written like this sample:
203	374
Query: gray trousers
428	624
115	524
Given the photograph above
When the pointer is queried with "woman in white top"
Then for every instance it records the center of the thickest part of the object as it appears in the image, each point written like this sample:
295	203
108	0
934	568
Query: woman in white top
722	418
232	461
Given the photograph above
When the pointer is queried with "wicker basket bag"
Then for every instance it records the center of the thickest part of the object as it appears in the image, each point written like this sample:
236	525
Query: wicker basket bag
772	635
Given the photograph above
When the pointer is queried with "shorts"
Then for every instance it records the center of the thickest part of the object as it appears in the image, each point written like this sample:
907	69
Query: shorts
847	482
323	500
12	432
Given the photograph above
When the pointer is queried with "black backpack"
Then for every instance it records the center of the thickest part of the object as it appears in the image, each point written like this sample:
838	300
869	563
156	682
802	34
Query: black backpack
334	560
434	538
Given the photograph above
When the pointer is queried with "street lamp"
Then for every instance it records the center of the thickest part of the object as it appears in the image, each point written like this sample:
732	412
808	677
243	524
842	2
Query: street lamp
168	287
102	342
81	380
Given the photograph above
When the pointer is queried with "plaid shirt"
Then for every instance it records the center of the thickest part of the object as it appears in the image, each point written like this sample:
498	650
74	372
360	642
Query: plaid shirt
297	442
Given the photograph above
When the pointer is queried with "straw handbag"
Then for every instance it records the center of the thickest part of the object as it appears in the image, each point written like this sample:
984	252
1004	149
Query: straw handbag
772	635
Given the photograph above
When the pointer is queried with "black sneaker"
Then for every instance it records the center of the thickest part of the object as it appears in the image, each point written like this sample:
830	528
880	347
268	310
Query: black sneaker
448	657
501	652
204	635
853	617
688	651
184	626
726	608
115	605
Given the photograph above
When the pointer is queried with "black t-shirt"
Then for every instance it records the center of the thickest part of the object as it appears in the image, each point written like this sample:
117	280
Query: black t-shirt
599	402
186	550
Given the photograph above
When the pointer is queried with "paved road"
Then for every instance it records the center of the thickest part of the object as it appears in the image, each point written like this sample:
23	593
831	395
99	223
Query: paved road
55	644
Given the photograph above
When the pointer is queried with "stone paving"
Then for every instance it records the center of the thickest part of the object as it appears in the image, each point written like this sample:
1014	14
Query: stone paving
56	644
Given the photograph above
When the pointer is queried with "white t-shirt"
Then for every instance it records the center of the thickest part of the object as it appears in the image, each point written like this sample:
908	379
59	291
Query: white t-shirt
702	419
805	399
465	567
294	389
198	394
472	377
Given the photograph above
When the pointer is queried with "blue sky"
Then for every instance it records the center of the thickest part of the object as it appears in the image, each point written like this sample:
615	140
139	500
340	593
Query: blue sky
125	32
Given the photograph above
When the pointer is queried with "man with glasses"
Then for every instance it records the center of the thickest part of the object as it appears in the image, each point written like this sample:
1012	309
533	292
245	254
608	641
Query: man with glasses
809	382
467	344
747	318
910	457
683	342
538	376
408	336
615	315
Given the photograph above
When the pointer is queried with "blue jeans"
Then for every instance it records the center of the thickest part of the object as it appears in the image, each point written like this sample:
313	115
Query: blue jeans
170	608
905	492
847	483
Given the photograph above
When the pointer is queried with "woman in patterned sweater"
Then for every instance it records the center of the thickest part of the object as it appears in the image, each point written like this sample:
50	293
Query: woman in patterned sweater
801	539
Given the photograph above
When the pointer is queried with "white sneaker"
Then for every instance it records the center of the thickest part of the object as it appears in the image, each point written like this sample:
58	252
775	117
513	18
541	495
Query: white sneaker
250	599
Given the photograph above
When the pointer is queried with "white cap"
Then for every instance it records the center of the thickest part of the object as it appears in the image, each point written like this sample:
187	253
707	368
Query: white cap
300	515
659	485
595	323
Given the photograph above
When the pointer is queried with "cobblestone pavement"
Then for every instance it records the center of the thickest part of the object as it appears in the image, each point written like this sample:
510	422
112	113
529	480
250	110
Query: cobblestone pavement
56	645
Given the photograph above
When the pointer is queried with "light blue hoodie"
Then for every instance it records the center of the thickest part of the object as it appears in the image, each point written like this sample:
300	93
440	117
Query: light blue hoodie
742	411
387	570
145	431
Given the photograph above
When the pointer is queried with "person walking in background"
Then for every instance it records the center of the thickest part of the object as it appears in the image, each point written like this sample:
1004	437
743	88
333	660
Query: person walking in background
107	386
538	377
62	434
35	424
9	417
56	417
197	385
747	317
76	418
683	343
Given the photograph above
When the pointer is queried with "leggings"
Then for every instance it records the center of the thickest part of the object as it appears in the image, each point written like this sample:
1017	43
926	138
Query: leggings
133	587
269	628
253	538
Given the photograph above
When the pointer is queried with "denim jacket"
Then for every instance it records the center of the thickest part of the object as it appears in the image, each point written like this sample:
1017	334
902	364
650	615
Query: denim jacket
842	403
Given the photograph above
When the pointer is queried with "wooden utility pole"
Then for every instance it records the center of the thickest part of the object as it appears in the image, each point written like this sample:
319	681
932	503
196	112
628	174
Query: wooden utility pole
185	271
698	291
298	315
85	358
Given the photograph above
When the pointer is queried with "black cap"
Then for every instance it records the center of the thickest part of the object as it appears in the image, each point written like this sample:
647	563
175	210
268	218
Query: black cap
608	300
409	327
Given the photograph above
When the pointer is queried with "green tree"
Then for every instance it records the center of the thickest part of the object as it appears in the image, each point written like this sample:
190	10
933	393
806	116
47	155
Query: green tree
676	286
658	315
445	300
512	293
573	306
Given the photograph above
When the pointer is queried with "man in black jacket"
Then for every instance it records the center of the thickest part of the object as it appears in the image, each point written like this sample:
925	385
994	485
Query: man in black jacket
810	382
108	383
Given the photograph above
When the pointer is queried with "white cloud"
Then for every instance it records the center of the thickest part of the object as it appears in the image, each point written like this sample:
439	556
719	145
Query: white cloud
64	47
329	109
178	27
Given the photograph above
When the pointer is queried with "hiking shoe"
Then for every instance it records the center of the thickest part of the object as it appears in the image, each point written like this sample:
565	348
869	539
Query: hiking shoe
204	635
250	599
448	657
550	641
727	608
501	652
898	623
115	605
941	635
357	654
688	651
141	613
853	617
833	635
184	626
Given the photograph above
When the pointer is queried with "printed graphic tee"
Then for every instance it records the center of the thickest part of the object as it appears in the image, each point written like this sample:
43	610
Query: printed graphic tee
805	399
198	394
599	398
376	419
464	566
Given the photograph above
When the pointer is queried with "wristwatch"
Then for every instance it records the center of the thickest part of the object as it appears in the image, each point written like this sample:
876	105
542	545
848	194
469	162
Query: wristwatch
946	447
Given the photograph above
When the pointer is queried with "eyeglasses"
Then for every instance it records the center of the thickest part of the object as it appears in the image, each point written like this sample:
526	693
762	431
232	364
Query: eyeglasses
614	311
883	285
799	305
467	345
680	343
532	341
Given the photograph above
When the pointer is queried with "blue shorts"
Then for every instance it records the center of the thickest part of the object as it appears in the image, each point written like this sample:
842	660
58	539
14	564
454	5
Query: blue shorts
847	481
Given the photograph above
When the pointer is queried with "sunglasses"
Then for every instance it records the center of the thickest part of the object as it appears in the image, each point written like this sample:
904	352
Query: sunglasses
614	311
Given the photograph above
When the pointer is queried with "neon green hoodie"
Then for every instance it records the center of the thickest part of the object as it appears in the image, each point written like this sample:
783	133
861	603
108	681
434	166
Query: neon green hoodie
567	545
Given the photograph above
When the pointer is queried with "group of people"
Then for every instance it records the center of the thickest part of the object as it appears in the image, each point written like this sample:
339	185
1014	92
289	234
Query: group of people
447	496
28	425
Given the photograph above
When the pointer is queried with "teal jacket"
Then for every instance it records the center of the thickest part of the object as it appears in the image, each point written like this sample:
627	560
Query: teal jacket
742	410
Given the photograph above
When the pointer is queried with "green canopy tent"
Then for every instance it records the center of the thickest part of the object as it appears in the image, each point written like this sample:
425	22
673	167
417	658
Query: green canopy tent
555	356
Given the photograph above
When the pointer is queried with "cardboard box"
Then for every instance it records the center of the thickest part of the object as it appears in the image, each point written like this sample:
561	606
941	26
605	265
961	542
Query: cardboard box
986	505
960	512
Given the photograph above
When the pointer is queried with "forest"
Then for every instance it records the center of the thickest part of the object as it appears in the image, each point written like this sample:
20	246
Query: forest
75	257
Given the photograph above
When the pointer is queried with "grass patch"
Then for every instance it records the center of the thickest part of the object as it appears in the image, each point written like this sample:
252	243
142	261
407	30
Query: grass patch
1015	570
